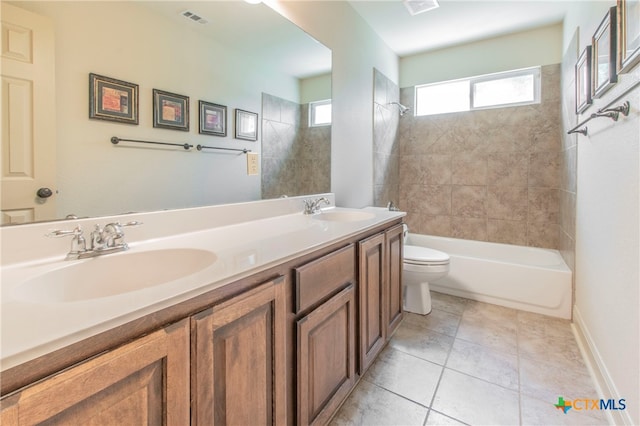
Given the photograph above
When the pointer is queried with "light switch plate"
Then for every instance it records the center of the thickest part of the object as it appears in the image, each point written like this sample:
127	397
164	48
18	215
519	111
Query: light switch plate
252	163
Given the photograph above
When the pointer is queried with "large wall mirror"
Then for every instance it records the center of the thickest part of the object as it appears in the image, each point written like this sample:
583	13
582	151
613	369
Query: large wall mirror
237	55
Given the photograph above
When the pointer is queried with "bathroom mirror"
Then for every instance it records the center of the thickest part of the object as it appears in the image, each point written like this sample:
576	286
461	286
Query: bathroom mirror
232	55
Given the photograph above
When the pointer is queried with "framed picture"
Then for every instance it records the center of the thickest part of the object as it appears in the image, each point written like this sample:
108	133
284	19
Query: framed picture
213	119
246	125
170	111
113	100
604	57
628	34
583	80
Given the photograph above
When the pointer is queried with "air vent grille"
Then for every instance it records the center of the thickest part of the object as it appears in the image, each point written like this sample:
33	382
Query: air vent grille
194	17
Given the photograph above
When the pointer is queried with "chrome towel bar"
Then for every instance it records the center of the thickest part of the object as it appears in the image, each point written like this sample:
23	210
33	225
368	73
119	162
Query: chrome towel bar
607	111
612	113
115	140
243	150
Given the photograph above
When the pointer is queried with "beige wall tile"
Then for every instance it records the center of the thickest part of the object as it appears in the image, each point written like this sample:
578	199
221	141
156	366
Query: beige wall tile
507	231
469	228
507	169
436	225
435	199
544	205
437	169
509	203
543	235
469	169
411	171
506	150
469	201
544	169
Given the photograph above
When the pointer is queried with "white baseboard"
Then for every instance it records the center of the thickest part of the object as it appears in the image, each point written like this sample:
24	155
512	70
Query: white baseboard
605	385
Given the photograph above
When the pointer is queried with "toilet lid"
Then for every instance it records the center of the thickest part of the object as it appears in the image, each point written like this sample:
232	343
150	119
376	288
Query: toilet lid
415	254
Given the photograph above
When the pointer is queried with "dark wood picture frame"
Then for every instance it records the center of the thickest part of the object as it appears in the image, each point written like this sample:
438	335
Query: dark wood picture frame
170	111
112	100
583	80
246	127
213	119
628	35
604	45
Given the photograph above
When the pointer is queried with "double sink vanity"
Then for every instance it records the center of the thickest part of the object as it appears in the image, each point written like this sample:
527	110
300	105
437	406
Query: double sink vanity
250	313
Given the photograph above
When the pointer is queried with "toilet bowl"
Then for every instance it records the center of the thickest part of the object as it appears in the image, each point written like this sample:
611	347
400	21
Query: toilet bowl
421	265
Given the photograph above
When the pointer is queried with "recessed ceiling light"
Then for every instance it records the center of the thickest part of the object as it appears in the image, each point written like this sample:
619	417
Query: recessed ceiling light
418	6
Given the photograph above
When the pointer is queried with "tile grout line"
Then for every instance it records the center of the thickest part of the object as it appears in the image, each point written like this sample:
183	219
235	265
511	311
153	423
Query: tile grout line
444	367
518	365
400	396
517	352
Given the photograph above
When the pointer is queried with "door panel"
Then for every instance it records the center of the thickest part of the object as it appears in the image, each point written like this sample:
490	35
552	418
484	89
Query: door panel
372	279
238	360
28	115
326	358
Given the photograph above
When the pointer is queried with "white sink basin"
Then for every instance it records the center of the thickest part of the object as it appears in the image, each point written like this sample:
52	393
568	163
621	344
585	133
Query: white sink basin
344	215
113	274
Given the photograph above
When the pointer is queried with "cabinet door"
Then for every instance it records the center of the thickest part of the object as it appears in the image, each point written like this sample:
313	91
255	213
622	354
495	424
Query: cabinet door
238	359
141	383
326	358
372	289
395	241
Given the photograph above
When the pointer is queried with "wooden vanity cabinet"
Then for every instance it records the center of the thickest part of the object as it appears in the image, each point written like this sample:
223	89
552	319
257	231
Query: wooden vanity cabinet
326	335
394	291
261	350
238	360
379	292
143	382
372	300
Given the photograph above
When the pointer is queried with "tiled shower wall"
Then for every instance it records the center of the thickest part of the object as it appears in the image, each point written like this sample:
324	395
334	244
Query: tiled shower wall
386	173
490	175
296	158
569	169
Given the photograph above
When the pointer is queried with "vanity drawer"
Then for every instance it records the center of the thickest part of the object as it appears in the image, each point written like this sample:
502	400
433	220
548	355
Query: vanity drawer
317	280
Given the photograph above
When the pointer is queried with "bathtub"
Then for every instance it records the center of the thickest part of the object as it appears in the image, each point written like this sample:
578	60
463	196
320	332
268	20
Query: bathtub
526	278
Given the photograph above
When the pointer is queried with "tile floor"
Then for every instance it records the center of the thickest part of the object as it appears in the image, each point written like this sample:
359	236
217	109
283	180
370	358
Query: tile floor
474	363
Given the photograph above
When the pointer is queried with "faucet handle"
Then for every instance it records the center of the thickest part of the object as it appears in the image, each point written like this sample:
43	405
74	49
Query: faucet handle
78	243
57	233
132	223
308	206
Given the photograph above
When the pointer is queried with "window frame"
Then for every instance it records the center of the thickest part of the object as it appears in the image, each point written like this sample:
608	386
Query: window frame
312	112
536	72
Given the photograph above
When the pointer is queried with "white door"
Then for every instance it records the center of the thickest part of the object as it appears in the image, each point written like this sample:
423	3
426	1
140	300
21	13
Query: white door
28	116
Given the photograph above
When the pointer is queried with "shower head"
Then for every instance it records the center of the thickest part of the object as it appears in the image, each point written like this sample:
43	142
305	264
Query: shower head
403	109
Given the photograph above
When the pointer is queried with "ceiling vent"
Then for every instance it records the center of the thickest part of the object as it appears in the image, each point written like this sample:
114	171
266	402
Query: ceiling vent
192	16
418	6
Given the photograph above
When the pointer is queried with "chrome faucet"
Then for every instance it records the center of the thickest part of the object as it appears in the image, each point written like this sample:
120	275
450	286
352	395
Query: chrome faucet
392	207
109	239
313	206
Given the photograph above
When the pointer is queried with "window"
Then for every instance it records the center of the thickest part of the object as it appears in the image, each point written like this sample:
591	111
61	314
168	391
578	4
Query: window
512	88
320	113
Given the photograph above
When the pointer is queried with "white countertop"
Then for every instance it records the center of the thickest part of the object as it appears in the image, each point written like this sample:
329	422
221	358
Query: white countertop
31	328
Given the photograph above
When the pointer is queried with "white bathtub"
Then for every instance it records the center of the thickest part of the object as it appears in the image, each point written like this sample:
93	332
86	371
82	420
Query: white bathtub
525	278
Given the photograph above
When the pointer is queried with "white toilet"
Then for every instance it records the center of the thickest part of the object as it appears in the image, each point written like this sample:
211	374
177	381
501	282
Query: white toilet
421	266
